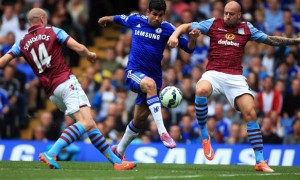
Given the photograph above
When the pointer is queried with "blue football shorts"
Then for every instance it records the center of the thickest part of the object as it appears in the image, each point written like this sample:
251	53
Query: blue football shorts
133	80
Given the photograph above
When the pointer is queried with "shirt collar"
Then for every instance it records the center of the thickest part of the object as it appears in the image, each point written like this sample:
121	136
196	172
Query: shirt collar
35	27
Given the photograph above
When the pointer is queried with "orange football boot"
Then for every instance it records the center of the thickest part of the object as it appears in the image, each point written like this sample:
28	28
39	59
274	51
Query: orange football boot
126	165
207	149
263	166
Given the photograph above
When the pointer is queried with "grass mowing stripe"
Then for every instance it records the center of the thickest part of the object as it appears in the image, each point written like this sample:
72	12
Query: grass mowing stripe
264	174
174	177
95	171
116	178
220	175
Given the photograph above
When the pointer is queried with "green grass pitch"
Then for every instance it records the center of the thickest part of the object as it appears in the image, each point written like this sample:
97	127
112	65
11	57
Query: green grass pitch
93	171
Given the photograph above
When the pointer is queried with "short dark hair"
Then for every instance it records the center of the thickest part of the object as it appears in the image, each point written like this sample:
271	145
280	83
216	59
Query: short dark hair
287	10
159	5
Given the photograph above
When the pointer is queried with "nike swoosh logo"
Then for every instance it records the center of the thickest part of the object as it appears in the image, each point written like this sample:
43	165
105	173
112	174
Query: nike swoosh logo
127	165
210	153
48	157
268	169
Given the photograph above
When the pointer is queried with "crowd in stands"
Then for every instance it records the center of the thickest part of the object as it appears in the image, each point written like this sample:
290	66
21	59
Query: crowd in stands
273	73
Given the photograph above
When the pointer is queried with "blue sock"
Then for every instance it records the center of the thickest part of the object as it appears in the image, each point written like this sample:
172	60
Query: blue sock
100	143
201	113
69	135
255	138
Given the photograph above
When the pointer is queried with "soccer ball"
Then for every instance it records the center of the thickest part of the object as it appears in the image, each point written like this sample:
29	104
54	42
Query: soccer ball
170	97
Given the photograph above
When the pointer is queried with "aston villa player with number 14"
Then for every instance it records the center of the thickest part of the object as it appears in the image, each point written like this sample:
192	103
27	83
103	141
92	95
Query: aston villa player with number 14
42	49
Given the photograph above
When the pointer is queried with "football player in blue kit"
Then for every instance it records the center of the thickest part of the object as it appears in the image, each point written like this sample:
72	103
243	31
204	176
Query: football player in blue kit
143	73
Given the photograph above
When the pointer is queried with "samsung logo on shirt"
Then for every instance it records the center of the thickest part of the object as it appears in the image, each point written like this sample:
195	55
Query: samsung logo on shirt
228	43
147	35
36	38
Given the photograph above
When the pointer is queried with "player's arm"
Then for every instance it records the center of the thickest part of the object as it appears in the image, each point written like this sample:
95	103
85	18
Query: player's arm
188	44
64	38
120	19
259	36
102	21
15	51
281	41
202	26
173	39
179	38
81	49
194	34
4	60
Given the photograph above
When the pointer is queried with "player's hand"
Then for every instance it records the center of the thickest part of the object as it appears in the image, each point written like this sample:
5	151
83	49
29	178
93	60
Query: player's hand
92	57
102	21
173	41
194	34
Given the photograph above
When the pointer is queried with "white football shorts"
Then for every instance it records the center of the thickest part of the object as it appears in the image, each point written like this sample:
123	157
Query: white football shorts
68	97
232	86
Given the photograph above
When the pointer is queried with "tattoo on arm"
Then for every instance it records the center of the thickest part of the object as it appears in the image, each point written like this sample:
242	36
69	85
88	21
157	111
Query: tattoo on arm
281	41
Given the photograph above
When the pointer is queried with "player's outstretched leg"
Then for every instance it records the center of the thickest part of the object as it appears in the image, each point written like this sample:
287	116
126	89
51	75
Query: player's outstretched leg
201	114
69	135
155	108
255	138
100	143
130	134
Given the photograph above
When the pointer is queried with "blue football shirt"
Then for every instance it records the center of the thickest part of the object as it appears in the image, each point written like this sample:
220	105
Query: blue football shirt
148	44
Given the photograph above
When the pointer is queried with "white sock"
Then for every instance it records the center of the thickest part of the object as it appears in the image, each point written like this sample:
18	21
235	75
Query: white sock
127	138
155	108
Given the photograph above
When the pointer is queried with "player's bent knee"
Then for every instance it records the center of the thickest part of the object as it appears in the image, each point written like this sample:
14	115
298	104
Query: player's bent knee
148	84
250	115
202	92
151	86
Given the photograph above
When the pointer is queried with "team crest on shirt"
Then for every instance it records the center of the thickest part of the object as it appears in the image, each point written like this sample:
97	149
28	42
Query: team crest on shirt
241	31
230	36
158	30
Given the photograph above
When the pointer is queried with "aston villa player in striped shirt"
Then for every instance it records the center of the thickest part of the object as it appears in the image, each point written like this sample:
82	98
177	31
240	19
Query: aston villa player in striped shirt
42	49
228	37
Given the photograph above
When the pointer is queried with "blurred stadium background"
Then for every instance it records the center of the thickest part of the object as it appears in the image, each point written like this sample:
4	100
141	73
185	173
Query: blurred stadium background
273	74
